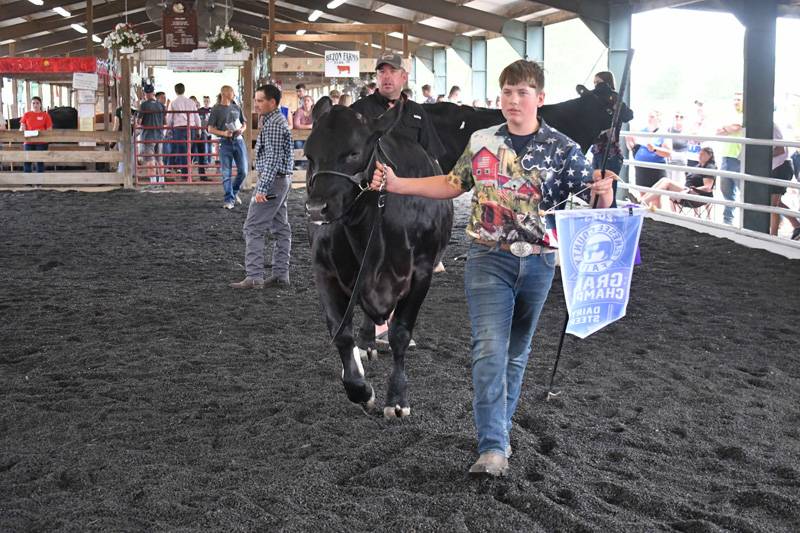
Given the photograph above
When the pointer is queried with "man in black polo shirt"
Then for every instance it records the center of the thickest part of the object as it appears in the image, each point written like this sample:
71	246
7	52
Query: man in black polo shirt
415	124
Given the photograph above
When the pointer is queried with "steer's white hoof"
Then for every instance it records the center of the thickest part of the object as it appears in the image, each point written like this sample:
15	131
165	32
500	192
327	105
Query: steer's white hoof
396	412
371	401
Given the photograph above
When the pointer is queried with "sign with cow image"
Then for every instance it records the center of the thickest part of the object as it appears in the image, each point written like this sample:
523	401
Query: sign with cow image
342	64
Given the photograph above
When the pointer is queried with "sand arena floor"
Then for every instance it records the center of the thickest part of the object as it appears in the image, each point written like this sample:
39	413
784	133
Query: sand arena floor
139	393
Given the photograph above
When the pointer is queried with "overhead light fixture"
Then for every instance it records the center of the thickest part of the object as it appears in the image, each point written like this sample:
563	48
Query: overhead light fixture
61	11
281	48
36	2
97	39
335	3
314	15
300	32
79	28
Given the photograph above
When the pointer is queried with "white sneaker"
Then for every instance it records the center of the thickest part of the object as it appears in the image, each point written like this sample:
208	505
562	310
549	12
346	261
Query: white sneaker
228	205
382	340
153	179
161	179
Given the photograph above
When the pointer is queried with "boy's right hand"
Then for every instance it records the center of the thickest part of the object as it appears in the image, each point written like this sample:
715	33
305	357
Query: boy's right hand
382	178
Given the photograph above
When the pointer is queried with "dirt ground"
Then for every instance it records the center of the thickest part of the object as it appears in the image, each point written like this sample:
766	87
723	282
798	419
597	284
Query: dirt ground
139	393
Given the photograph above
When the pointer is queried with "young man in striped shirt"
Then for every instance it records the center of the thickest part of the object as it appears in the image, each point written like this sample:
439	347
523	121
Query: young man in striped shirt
274	162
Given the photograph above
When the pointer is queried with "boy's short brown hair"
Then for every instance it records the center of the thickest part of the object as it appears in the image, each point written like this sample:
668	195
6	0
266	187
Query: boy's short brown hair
522	71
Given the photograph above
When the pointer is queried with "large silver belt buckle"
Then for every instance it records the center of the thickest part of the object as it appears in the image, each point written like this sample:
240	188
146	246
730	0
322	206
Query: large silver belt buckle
521	248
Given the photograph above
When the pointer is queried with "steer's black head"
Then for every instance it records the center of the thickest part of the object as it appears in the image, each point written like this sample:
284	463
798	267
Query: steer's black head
340	152
602	100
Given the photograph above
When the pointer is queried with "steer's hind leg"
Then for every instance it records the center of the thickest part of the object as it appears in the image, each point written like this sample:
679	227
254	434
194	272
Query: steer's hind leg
366	339
400	330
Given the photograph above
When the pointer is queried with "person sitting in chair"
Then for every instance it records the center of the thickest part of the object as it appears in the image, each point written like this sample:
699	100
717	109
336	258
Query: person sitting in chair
696	183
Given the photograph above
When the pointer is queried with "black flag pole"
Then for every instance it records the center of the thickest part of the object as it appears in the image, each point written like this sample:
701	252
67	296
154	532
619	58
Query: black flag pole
611	136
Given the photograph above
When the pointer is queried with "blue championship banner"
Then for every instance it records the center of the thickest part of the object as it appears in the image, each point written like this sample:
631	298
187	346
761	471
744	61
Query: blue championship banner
597	248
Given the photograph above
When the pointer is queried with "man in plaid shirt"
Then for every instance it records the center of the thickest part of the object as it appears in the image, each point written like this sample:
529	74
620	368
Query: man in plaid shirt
274	162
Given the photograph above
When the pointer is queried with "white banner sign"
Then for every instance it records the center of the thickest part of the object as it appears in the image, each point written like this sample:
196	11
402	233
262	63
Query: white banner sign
84	80
341	64
199	60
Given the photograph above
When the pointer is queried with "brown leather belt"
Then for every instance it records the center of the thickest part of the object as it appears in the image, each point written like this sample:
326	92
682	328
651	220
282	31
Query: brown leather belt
518	248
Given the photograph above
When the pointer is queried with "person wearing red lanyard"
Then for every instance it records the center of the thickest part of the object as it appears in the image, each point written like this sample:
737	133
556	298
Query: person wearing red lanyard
37	120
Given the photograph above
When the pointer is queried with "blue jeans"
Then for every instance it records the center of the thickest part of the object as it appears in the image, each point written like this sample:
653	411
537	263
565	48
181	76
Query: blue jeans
230	151
299	164
179	149
27	167
505	295
729	186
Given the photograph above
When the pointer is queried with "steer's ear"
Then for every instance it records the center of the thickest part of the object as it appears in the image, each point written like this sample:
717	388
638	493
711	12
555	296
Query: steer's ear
322	106
580	89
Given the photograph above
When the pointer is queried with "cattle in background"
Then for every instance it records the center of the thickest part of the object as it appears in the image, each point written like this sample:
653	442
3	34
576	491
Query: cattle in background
398	265
64	118
581	119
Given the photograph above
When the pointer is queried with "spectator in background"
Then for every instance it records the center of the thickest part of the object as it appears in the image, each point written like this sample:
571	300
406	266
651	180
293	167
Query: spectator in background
455	94
782	170
409	93
184	122
35	120
372	87
150	119
427	96
679	155
346	100
227	121
695	183
441	98
202	149
300	90
164	147
730	157
649	150
301	120
335	95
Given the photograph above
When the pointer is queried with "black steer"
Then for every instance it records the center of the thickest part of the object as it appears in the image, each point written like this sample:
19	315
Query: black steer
581	119
398	264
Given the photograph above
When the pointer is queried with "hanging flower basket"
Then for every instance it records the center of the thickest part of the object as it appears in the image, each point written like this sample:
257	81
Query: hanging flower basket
226	37
125	39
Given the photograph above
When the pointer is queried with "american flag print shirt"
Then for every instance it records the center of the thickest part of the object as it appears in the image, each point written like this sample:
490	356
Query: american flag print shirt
511	190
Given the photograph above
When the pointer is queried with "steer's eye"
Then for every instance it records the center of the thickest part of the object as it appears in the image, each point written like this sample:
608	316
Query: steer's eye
353	155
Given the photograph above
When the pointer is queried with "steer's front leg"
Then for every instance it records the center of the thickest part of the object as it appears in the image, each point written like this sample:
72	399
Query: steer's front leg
334	303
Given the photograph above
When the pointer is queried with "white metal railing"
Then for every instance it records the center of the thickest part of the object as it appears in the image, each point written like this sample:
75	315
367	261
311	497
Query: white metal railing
741	178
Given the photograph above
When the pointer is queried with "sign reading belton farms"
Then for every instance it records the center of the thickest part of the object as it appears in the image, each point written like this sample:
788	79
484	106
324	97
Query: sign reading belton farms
341	64
180	28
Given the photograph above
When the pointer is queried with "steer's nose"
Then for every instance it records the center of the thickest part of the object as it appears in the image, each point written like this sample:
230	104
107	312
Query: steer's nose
316	211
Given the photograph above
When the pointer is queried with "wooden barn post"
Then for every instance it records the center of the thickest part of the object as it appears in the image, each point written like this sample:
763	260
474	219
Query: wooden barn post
127	149
247	104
